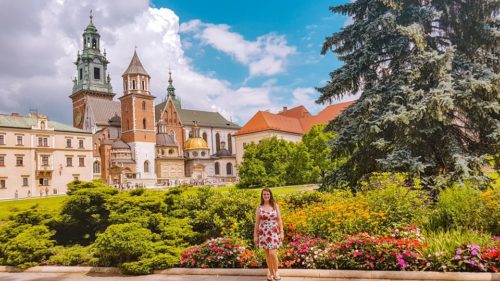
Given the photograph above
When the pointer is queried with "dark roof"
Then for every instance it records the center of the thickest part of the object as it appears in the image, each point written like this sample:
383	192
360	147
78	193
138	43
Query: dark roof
223	153
104	110
115	121
163	139
135	66
26	122
203	118
119	144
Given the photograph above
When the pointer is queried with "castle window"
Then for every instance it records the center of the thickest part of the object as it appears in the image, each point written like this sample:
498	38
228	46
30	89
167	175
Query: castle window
81	162
217	142
42	125
217	168
68	142
143	85
205	136
146	166
97	73
144	123
143	105
19	161
97	167
133	84
229	143
45	160
2	139
94	43
229	169
81	74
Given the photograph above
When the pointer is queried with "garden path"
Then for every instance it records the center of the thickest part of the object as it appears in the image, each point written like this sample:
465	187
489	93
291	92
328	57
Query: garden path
85	277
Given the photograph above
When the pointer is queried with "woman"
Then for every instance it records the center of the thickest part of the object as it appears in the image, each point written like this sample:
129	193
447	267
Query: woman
268	231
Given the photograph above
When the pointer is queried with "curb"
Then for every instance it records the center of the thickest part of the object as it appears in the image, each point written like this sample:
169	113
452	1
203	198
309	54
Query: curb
308	273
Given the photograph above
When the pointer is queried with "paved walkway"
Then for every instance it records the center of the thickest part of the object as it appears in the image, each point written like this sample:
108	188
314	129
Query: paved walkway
95	277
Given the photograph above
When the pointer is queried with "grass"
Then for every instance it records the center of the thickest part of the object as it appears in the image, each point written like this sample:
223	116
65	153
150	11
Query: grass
49	204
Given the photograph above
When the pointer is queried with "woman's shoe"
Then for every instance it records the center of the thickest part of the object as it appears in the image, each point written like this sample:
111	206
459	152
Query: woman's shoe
277	277
270	277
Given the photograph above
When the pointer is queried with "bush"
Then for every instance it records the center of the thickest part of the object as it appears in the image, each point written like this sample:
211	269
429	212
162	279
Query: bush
405	204
122	243
28	248
71	256
460	207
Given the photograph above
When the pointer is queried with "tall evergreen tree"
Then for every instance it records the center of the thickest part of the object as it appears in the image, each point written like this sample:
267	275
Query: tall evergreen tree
428	74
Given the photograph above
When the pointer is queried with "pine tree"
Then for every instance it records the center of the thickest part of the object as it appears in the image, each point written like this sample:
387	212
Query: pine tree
428	74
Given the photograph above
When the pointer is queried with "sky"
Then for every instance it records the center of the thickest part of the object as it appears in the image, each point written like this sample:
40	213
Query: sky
234	57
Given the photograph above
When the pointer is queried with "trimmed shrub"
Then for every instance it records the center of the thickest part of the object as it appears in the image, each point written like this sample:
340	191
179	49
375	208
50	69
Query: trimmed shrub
71	256
122	243
28	248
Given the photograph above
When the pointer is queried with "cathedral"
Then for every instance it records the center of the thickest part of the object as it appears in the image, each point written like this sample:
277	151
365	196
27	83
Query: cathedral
138	142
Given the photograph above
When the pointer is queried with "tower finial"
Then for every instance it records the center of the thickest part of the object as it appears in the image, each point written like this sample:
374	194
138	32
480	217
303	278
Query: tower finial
91	16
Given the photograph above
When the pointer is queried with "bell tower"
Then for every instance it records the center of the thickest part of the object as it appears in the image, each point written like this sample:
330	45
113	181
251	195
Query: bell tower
138	117
92	78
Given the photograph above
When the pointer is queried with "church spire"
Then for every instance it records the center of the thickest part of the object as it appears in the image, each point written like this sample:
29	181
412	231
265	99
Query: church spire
170	88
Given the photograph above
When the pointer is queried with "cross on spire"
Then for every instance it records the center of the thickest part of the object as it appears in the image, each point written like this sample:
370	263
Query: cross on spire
91	16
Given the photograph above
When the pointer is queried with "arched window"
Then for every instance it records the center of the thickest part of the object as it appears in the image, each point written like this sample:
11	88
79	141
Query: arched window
229	169
143	85
146	166
217	168
133	84
42	125
205	136
128	125
144	123
97	167
217	142
94	43
143	105
229	143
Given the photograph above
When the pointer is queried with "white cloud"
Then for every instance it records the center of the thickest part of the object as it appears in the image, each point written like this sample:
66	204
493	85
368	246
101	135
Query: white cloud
265	56
306	97
40	46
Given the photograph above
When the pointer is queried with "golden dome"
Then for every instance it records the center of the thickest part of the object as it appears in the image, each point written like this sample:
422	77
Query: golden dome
195	143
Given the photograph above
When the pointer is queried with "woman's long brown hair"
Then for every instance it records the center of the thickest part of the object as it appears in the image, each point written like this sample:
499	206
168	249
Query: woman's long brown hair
271	200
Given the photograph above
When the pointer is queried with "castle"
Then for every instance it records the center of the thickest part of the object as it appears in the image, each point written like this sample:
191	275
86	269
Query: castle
137	142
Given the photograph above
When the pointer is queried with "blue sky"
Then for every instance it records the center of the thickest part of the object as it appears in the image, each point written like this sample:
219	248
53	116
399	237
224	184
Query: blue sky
233	57
304	24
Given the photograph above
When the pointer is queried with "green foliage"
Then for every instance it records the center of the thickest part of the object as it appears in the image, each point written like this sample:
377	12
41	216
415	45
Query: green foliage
28	248
463	206
122	243
441	246
78	185
71	256
317	142
404	203
429	81
265	163
84	214
300	165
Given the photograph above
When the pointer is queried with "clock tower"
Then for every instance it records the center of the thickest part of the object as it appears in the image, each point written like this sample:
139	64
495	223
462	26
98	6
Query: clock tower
92	78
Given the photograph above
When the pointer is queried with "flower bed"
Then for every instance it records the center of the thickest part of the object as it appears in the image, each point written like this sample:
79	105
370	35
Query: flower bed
400	250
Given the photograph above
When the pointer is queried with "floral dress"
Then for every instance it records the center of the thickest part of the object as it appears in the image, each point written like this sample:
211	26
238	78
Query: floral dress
269	235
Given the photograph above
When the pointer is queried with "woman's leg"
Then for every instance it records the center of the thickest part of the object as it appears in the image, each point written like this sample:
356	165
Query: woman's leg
273	256
269	261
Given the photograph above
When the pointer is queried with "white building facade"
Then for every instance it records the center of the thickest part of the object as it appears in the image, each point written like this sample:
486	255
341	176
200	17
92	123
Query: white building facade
39	157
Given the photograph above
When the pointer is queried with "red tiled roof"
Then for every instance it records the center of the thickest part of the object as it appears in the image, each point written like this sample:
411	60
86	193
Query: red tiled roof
297	120
296	112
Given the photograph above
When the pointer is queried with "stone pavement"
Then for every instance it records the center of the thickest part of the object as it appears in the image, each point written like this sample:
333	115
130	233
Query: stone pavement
23	276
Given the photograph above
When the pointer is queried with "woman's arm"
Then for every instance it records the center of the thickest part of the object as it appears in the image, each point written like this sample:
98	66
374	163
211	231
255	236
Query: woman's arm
280	223
256	227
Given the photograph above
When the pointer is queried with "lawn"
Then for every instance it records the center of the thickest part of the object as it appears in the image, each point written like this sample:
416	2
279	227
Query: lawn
50	203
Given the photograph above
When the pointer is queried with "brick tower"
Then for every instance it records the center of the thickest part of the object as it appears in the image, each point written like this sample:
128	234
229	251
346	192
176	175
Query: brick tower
137	116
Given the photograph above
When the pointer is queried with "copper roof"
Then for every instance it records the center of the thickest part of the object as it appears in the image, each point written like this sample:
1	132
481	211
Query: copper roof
135	66
26	122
